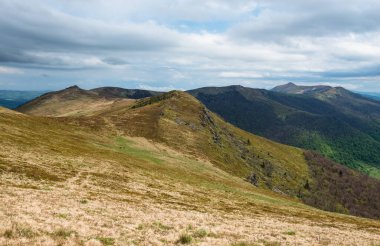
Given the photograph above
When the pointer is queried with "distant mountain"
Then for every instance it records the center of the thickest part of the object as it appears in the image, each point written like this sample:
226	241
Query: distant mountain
337	123
371	95
76	101
13	99
292	88
56	103
115	92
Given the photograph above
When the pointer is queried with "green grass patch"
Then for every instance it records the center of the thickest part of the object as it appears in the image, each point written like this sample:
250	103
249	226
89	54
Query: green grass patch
290	233
83	201
106	240
200	233
370	170
8	233
62	216
161	226
63	233
126	146
18	231
243	244
185	239
271	243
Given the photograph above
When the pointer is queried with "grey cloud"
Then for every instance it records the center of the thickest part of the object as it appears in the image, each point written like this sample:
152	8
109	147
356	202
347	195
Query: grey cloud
17	56
369	71
131	41
163	11
38	61
281	20
27	28
115	61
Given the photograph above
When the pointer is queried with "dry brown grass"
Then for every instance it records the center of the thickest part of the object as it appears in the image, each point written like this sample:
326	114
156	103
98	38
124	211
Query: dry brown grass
57	215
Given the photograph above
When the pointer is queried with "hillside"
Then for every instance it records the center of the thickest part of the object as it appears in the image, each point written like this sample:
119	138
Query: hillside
75	101
337	123
178	120
98	180
181	122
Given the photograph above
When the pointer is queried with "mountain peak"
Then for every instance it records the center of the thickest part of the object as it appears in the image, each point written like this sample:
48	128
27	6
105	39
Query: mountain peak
235	86
73	87
50	104
116	92
290	84
291	88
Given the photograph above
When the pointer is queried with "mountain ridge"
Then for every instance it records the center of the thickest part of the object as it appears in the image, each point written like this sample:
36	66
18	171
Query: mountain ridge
292	88
71	96
182	122
336	123
312	120
117	92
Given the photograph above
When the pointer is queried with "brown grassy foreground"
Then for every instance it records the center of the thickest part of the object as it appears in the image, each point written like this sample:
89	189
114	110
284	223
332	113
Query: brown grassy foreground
67	185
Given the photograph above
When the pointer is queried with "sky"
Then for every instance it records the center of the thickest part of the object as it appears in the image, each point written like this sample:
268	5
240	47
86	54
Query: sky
185	44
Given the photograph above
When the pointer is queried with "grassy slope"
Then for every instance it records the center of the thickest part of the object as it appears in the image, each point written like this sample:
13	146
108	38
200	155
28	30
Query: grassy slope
180	121
63	184
72	101
349	137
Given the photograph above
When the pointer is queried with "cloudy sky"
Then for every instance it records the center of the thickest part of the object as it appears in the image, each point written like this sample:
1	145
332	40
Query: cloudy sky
184	44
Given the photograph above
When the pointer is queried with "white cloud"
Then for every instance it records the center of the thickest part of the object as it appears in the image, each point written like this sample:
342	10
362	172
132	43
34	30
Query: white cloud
159	88
162	11
9	70
240	75
255	42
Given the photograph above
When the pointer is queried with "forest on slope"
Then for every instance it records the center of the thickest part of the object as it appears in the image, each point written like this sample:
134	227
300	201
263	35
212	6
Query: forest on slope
338	124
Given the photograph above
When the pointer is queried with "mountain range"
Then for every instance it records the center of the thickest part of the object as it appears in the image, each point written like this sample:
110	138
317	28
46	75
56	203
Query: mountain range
339	124
372	95
292	88
175	168
180	121
13	99
333	121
